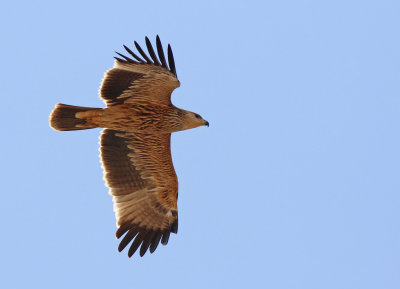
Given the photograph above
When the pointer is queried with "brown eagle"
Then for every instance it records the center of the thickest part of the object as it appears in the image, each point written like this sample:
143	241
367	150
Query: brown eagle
135	144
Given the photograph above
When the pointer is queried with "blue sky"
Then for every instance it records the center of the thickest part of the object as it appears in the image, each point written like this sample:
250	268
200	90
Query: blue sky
294	185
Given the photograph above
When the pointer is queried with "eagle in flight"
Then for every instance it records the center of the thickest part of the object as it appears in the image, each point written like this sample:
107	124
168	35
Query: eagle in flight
135	143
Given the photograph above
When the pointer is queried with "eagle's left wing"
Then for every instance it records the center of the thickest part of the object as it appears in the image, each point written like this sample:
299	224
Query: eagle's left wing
138	170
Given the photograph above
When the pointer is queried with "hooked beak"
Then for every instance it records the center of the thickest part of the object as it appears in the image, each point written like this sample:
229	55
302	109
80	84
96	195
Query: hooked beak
206	123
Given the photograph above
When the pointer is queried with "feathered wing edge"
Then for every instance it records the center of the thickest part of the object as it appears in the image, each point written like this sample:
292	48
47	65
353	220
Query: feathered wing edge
143	238
146	60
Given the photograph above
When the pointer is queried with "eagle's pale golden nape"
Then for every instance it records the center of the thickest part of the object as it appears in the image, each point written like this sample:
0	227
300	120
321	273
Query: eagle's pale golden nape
135	144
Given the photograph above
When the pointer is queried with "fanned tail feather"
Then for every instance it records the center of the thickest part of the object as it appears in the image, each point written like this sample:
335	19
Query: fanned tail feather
63	117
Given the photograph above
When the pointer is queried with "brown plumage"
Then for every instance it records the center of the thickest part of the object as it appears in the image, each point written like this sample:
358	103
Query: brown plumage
135	144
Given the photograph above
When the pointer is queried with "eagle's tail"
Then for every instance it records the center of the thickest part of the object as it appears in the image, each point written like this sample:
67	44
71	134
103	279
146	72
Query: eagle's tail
64	117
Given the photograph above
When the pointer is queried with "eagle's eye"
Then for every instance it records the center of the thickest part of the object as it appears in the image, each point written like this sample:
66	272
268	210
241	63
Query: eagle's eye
197	116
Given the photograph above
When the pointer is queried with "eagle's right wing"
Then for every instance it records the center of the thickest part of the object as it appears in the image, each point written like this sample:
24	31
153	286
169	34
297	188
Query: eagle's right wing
137	79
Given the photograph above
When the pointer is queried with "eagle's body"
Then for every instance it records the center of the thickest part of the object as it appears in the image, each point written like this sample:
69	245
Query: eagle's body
135	144
142	118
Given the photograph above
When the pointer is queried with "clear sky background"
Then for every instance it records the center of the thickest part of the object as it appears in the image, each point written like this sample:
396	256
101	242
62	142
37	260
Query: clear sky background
295	184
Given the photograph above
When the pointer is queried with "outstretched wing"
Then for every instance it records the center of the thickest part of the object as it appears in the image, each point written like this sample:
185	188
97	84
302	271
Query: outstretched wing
140	79
138	170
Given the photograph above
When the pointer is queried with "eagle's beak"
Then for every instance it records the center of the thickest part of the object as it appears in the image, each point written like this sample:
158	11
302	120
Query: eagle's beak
206	123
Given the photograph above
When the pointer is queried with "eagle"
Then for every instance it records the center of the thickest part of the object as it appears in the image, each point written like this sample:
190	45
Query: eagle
137	123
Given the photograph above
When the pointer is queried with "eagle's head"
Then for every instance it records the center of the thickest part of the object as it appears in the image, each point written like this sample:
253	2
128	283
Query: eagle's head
192	120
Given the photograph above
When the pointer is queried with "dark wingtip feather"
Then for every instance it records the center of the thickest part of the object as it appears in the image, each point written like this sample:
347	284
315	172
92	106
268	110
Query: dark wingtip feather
171	60
146	242
155	241
151	51
174	227
119	59
127	239
165	237
142	53
122	230
127	59
161	52
136	243
133	54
